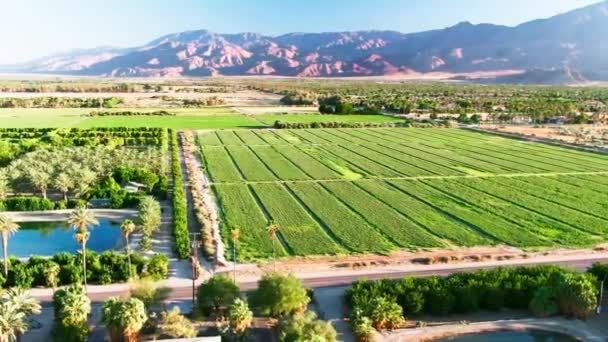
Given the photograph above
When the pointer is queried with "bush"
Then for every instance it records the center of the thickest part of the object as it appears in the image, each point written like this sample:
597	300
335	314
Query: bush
66	269
157	267
216	294
576	294
20	275
305	326
72	308
175	325
27	204
278	295
544	302
385	314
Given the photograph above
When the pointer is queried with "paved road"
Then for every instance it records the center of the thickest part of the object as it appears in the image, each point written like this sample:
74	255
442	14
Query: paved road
342	280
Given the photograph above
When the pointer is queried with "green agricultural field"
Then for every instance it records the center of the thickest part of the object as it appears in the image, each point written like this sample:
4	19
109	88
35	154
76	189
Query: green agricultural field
185	118
308	118
193	118
376	190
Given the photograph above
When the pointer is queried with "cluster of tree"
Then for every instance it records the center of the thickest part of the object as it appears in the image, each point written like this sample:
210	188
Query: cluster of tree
278	296
111	187
66	269
72	87
59	102
180	208
32	203
468	119
77	171
17	141
545	290
342	106
536	103
192	103
335	124
298	100
206	102
130	113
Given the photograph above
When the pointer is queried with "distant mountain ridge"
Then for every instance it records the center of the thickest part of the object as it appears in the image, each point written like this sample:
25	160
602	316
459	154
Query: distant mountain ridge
569	47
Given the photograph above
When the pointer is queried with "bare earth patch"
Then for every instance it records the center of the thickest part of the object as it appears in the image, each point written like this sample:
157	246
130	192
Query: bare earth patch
405	261
585	135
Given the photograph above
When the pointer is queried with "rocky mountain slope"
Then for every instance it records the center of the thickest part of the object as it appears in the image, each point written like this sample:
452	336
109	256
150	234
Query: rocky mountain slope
566	47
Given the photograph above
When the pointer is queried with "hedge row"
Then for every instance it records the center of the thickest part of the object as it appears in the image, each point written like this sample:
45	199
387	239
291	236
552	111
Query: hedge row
59	102
38	204
295	125
180	211
66	269
131	113
88	137
546	290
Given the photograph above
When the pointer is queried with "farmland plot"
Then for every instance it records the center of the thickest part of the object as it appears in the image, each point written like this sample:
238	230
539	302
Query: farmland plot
334	191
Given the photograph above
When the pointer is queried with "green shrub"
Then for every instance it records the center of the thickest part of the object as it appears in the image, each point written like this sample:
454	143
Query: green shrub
544	302
157	267
70	274
216	294
278	295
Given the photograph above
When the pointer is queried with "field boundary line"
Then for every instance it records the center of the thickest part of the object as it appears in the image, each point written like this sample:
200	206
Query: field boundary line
504	175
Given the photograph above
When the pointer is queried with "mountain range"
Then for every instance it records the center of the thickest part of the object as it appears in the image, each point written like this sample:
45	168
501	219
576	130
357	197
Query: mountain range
570	47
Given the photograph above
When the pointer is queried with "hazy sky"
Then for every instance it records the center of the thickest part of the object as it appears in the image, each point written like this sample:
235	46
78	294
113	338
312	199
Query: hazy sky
34	28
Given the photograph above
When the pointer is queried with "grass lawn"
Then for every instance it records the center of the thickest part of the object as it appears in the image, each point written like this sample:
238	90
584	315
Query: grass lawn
306	118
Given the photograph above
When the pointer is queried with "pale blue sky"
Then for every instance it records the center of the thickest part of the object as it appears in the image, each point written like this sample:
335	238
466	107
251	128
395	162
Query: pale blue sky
34	28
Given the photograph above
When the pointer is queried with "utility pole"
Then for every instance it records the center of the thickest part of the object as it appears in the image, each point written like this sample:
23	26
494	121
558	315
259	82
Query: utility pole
194	244
599	304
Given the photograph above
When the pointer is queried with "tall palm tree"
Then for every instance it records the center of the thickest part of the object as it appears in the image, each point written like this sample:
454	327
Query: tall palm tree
273	230
127	228
235	234
15	307
7	227
82	220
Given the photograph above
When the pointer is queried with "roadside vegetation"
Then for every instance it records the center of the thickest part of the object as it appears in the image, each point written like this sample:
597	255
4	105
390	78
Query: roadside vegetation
542	290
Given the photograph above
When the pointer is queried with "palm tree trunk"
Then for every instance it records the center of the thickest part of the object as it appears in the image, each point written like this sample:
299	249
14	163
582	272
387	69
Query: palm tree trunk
129	257
44	193
274	256
84	265
65	196
234	258
5	252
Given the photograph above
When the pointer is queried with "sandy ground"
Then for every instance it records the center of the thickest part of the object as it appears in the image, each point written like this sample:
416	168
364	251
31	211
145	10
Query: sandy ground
63	215
332	266
277	110
575	328
232	98
572	134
